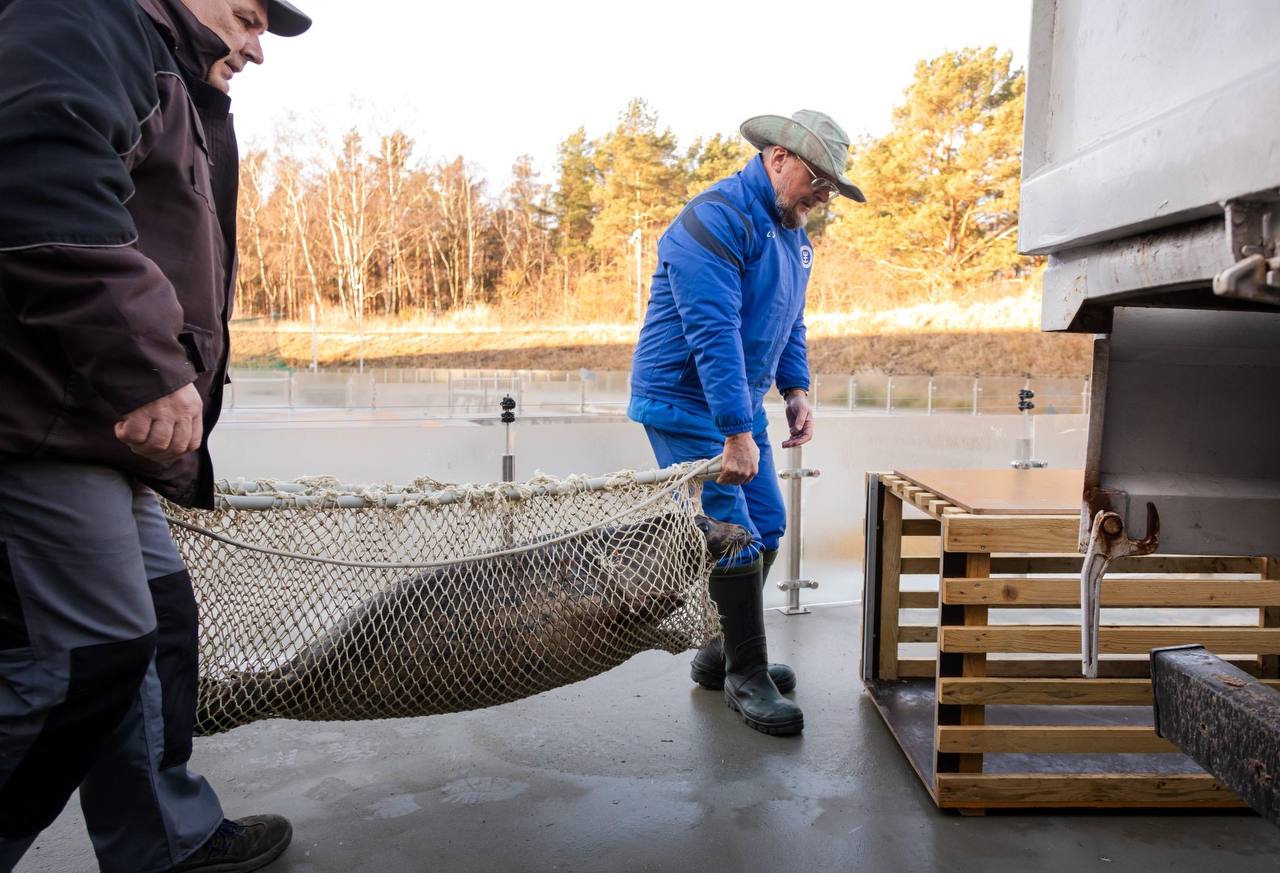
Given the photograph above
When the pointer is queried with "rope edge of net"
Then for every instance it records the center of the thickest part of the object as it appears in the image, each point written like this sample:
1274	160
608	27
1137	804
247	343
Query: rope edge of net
697	470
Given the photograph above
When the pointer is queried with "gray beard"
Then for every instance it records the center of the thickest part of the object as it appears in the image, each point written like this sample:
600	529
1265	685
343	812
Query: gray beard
790	219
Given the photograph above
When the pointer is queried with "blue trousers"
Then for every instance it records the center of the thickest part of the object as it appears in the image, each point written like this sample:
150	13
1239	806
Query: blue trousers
757	505
97	669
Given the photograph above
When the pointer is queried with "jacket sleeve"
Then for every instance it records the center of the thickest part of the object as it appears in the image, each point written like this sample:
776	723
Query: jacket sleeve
793	366
76	77
704	252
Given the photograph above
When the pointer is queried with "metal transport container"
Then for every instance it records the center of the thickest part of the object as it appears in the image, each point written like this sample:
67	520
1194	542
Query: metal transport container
1151	180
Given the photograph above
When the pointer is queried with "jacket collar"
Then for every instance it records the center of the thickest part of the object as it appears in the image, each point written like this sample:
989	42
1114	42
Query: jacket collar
195	46
758	183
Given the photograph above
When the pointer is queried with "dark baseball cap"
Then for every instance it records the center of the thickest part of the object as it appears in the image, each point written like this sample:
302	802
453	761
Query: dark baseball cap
285	19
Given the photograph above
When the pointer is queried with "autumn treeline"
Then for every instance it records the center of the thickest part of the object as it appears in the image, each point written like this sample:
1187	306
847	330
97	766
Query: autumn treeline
372	230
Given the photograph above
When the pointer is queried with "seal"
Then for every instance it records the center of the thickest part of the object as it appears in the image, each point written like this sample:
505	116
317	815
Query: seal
477	633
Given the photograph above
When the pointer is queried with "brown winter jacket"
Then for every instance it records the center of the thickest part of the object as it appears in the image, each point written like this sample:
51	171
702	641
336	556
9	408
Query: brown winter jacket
118	171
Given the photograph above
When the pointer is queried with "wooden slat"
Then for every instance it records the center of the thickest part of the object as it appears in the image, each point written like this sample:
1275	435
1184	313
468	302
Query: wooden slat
921	527
990	691
975	664
1111	640
1013	533
991	790
1022	592
917	633
890	576
1024	564
918	566
1269	665
1051	739
921	498
937	506
1045	692
908	492
917	668
1136	668
918	600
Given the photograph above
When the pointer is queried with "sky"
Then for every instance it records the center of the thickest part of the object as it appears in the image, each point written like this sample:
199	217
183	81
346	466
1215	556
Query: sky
493	80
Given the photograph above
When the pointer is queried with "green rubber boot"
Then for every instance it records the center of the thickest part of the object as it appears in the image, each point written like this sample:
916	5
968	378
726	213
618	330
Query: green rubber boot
707	666
748	689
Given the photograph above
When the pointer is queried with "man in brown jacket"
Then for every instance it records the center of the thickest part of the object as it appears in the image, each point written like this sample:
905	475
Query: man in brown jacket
118	173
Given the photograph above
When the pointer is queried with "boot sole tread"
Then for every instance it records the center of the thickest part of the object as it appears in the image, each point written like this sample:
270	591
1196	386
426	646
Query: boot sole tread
781	729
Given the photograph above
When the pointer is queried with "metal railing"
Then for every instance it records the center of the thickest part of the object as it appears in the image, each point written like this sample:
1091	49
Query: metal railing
461	393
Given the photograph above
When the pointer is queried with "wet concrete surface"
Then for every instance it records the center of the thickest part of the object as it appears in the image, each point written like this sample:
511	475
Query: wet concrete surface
638	770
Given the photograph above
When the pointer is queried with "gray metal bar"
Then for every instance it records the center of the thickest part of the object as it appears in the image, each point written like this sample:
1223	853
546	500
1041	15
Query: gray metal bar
793	583
1224	719
871	579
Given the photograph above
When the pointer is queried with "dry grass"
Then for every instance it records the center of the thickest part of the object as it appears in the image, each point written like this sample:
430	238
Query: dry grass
988	333
968	352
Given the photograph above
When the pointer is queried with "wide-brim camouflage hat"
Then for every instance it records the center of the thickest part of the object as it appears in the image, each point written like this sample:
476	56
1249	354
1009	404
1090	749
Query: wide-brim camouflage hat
814	136
285	19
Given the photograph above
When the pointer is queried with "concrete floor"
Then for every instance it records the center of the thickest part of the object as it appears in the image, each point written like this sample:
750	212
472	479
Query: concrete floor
639	771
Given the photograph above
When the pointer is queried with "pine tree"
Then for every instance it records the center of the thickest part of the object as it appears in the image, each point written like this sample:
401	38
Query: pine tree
571	201
715	158
942	186
641	182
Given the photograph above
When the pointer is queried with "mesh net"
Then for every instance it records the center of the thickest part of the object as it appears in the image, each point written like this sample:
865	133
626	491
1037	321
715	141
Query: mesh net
322	602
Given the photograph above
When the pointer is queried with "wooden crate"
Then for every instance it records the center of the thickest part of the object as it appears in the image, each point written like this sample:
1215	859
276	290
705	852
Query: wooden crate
1000	716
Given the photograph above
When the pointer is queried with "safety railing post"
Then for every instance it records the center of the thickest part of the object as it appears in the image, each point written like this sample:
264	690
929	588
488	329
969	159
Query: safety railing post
793	583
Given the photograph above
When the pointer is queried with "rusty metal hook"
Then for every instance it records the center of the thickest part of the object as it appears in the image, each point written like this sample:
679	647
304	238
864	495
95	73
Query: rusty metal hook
1107	542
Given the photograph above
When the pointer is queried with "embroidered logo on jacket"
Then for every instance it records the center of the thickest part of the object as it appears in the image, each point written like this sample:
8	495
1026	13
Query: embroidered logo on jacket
806	257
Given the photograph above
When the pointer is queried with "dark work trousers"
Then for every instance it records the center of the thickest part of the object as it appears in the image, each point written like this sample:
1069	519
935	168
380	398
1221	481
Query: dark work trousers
97	668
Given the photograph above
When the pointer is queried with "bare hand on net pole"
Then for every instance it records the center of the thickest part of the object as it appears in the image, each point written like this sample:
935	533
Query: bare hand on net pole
166	428
741	460
799	418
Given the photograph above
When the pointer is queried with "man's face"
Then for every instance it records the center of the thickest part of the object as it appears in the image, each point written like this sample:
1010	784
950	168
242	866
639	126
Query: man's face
793	188
240	23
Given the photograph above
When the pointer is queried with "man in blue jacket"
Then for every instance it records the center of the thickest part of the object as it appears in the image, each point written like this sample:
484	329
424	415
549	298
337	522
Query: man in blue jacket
725	322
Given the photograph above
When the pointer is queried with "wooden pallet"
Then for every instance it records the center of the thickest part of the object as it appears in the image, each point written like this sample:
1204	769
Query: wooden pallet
999	716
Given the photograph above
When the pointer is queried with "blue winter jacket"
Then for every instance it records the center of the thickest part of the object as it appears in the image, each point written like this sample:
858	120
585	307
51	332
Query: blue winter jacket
726	311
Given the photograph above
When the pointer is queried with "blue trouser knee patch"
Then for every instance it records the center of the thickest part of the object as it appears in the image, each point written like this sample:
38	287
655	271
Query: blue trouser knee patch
757	505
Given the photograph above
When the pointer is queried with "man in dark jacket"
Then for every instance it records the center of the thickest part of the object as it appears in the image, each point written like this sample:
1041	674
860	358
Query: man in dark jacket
725	323
118	174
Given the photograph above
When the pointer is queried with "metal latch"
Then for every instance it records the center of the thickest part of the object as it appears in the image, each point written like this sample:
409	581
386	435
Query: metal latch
1107	541
1255	275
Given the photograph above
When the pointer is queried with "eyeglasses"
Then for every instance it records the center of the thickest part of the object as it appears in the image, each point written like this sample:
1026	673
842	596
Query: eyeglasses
817	183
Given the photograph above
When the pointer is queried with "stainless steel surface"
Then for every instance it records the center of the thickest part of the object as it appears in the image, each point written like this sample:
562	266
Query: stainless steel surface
1145	114
1081	285
1185	416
